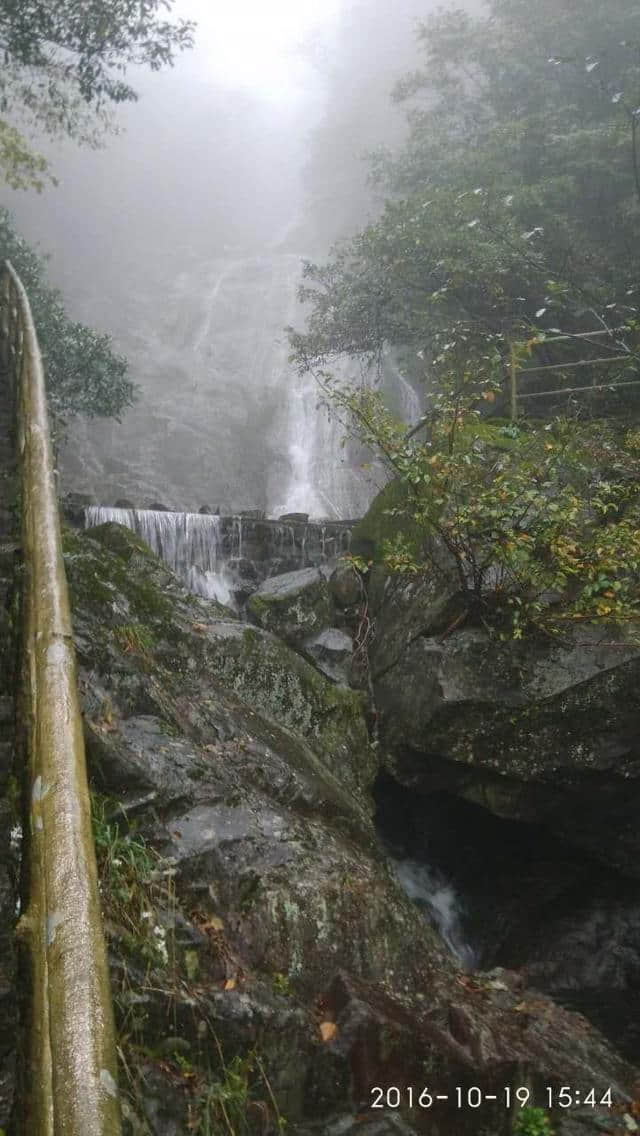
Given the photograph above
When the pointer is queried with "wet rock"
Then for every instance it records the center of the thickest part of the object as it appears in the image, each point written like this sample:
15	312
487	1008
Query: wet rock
234	757
594	945
74	505
145	612
292	605
535	730
541	732
331	651
378	1029
568	925
244	576
274	679
80	500
121	503
293	518
345	585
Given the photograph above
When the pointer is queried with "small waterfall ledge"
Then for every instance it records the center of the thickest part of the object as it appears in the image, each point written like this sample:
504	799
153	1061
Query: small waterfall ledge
226	557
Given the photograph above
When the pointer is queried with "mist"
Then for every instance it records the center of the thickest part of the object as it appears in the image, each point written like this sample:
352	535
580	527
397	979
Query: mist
183	239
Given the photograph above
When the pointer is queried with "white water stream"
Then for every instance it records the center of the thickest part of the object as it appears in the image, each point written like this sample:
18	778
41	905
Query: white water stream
431	892
189	543
410	404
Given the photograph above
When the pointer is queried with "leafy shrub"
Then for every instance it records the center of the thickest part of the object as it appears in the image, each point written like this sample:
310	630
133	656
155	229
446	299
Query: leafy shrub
538	523
532	1122
84	374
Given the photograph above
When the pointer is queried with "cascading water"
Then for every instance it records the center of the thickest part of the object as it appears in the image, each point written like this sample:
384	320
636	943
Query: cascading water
328	478
322	479
430	891
224	417
236	538
401	394
190	543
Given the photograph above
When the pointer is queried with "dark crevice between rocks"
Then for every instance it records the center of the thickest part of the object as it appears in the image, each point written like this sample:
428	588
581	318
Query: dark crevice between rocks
504	893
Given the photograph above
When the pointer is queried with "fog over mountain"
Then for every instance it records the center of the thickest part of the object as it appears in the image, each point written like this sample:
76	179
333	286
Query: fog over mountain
183	239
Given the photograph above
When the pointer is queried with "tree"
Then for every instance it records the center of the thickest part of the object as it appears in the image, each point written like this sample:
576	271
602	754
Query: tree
513	207
512	212
84	373
536	526
64	64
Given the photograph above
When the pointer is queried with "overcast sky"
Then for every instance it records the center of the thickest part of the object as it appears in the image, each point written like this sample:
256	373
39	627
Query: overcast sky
253	43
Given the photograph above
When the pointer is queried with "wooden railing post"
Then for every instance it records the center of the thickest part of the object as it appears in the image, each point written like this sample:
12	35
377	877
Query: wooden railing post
71	1064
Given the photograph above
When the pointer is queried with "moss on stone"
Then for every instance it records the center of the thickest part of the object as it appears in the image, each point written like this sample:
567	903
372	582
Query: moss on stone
267	674
128	605
377	526
293	613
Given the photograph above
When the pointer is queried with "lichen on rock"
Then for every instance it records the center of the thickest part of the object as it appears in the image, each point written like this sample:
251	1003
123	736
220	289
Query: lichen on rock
246	772
292	605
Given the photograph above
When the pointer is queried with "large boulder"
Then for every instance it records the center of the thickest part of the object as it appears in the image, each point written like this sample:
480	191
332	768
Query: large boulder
293	605
332	653
270	677
535	730
271	935
144	610
345	584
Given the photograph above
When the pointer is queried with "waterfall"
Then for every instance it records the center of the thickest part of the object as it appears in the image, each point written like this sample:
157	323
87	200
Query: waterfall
226	418
409	403
190	543
328	478
302	494
236	538
430	891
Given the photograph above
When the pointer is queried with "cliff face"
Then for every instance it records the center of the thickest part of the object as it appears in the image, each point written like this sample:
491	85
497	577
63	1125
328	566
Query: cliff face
266	962
513	767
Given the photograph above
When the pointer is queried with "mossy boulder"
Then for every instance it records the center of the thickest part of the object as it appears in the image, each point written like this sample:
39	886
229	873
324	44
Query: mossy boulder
266	674
137	610
541	730
293	605
345	584
378	524
332	653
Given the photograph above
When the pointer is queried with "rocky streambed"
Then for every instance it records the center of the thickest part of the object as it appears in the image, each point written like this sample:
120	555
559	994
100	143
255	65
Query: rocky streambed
253	804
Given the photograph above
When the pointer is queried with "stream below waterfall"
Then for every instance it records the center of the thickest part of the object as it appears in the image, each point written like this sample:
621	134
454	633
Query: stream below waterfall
503	893
442	905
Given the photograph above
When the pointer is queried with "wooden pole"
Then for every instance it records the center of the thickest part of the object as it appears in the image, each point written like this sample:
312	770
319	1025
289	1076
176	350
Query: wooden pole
71	1059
